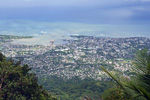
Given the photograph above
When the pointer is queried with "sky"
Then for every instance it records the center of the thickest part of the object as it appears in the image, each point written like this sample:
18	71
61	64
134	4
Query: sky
86	11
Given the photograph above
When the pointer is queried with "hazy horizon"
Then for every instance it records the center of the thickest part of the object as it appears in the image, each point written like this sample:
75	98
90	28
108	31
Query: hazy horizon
44	32
47	18
81	11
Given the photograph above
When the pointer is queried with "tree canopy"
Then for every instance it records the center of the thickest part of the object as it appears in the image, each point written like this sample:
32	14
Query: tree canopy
17	83
136	87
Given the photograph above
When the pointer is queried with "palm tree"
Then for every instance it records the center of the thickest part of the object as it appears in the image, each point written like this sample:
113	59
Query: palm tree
139	85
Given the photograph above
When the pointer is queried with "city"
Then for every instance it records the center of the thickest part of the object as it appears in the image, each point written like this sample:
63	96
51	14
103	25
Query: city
80	56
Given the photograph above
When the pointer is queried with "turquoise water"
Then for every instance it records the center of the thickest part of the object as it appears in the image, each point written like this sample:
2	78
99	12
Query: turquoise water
44	32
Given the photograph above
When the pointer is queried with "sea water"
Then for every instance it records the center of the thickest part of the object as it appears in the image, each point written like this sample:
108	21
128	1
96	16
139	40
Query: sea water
43	32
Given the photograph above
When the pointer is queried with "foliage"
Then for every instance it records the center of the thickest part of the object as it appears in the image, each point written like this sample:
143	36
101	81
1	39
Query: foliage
114	93
138	86
142	62
73	89
16	83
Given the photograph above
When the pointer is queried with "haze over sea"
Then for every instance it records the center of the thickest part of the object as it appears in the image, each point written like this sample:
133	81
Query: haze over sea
48	20
43	32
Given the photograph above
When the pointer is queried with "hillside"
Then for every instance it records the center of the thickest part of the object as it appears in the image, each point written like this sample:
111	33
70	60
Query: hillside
72	70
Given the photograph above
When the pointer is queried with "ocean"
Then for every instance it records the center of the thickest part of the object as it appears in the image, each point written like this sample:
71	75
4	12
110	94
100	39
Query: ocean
45	31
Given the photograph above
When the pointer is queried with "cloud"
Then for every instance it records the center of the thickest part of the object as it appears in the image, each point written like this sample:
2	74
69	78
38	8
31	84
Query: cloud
60	3
28	0
79	10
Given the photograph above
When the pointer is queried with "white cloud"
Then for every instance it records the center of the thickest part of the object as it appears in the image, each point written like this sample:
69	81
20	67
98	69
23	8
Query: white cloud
28	0
60	3
145	0
137	0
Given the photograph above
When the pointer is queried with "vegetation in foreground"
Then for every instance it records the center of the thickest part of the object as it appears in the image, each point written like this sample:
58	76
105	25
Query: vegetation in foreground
136	87
16	83
75	88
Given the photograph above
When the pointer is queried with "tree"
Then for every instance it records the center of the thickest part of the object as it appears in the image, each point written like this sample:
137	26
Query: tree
138	86
16	83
